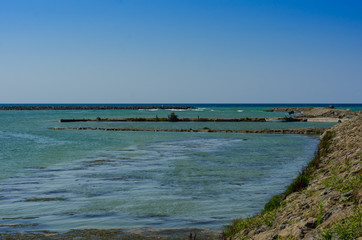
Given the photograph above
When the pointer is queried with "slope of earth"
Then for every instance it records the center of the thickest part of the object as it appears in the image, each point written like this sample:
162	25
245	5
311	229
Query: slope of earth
319	112
323	202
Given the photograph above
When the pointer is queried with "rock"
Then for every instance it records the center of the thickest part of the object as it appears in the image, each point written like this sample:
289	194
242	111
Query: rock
311	223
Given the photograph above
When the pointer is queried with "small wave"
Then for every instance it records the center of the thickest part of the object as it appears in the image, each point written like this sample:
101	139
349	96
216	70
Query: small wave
153	109
199	109
240	110
176	110
31	137
4	135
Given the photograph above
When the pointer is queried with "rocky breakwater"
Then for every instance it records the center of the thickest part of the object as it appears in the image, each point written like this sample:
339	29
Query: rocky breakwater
307	131
323	202
157	119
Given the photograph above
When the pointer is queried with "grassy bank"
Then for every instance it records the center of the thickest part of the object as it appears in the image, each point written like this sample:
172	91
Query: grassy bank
270	209
324	200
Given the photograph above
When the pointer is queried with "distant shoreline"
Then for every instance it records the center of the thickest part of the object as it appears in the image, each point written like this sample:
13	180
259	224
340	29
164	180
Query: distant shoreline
33	108
307	131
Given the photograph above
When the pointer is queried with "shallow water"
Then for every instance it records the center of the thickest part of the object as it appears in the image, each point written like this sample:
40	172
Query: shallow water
61	180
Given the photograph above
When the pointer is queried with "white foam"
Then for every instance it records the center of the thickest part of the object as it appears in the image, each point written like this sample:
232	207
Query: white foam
31	137
176	110
240	110
199	109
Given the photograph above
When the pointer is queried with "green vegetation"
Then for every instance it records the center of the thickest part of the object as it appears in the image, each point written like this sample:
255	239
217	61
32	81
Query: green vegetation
274	203
320	215
344	229
137	119
173	117
302	181
268	215
326	141
343	185
309	108
266	218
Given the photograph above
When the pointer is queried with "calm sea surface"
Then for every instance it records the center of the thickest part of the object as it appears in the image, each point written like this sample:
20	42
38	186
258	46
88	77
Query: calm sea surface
61	180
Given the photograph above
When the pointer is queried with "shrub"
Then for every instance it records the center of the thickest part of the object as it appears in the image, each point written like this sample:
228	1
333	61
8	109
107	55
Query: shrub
173	117
267	219
298	184
326	142
273	203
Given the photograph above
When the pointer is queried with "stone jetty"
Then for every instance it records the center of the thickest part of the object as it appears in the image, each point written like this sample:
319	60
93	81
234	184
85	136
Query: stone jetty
307	131
246	119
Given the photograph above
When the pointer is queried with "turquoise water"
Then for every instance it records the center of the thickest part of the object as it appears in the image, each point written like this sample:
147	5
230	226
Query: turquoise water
61	180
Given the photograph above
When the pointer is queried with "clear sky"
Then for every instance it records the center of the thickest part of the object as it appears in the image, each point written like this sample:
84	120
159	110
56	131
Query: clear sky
180	51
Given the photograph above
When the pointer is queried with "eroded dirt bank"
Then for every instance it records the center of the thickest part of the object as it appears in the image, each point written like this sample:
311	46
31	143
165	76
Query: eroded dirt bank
324	202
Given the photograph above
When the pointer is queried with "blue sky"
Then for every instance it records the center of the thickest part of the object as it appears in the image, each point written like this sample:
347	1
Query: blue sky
180	51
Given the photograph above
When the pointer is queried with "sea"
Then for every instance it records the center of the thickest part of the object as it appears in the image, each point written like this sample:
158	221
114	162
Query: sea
58	180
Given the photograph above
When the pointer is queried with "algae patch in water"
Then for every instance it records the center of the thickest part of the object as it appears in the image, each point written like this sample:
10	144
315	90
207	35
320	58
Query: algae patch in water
44	199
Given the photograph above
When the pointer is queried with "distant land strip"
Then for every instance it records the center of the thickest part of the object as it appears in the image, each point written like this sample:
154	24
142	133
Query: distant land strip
307	131
157	119
94	107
